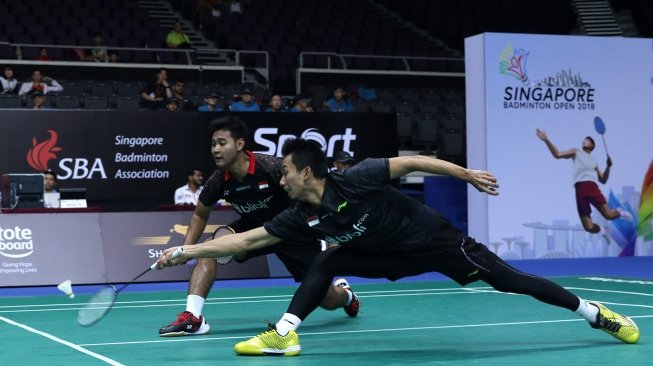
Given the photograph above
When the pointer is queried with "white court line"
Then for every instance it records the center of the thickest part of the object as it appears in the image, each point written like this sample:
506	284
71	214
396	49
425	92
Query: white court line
243	297
278	298
610	291
65	343
221	301
235	298
200	339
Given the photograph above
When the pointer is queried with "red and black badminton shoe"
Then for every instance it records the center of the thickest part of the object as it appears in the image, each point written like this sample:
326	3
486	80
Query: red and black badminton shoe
186	324
354	305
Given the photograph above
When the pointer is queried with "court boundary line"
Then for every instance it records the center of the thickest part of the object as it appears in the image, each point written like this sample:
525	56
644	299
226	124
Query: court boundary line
74	346
279	298
202	339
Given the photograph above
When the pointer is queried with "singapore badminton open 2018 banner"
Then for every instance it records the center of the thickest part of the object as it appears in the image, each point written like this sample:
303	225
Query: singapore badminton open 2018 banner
533	97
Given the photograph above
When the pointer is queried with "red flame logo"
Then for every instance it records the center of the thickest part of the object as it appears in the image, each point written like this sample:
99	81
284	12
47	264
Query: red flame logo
41	153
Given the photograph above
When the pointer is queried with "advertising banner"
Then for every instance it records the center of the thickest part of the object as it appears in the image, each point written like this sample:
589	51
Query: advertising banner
144	155
50	249
532	102
135	240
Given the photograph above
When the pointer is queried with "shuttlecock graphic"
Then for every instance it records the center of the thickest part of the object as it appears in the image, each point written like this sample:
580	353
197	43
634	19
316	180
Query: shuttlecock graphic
66	288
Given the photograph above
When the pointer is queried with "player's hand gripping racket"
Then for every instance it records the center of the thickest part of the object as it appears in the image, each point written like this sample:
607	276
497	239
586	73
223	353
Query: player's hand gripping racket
101	302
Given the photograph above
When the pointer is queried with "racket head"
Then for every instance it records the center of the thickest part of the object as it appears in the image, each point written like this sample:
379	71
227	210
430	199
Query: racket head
599	126
97	307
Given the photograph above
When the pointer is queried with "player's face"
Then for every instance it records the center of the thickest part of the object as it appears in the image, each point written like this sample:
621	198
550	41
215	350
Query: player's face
587	144
292	180
225	149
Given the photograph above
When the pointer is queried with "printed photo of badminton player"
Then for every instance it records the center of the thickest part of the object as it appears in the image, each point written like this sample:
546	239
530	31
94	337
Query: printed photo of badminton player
587	175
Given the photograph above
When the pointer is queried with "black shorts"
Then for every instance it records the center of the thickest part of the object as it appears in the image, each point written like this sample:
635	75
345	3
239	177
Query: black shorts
297	257
451	253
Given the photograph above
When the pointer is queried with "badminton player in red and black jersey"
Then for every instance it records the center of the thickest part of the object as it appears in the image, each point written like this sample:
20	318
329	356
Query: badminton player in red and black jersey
250	182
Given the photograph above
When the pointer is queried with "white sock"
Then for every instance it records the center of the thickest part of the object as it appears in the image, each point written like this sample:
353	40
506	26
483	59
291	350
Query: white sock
287	323
587	311
195	304
350	295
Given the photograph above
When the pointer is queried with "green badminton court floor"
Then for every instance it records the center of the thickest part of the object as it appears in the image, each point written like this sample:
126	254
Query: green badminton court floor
434	323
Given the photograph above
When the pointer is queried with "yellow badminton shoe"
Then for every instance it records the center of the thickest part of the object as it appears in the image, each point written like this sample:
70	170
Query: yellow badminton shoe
616	325
270	343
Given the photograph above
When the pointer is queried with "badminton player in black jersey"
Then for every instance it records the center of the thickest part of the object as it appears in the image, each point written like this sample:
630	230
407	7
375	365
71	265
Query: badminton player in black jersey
382	233
250	182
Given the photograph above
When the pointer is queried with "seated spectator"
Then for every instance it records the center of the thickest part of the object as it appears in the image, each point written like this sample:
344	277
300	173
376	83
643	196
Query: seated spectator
99	51
113	57
40	83
190	192
38	99
246	103
342	161
172	105
8	81
275	104
184	103
43	55
301	104
339	102
50	182
211	105
177	38
155	95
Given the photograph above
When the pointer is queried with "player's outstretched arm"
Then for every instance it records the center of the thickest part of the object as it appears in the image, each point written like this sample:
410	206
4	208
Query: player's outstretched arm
480	179
219	247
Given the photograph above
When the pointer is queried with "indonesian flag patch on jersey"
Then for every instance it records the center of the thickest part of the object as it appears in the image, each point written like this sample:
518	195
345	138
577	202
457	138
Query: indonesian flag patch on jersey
312	221
263	184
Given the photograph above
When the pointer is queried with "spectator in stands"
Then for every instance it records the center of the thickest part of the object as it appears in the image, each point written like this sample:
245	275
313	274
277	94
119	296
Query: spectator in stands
50	182
246	103
190	192
301	104
177	38
99	52
184	103
40	83
172	105
342	161
43	55
211	103
8	81
275	104
38	99
155	96
113	57
339	102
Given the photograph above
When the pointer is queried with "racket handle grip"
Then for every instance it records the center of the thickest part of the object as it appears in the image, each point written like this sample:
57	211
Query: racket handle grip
178	253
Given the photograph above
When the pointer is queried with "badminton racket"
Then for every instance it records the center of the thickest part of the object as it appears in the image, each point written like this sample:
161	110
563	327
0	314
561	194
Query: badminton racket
599	126
99	305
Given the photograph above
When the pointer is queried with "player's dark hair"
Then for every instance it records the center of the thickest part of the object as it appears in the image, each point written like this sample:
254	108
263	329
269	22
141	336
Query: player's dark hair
306	153
591	140
234	125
